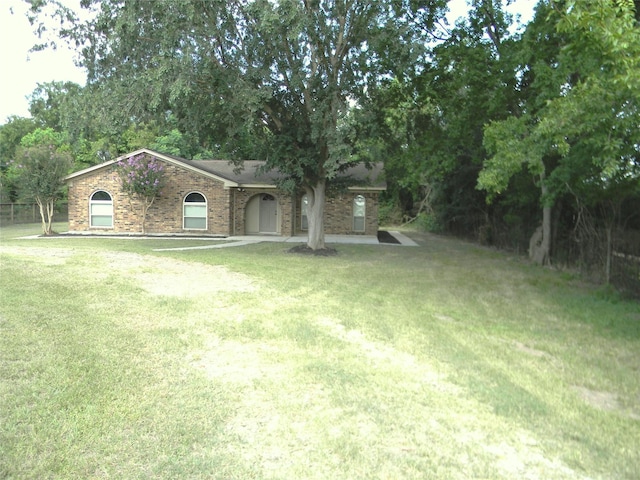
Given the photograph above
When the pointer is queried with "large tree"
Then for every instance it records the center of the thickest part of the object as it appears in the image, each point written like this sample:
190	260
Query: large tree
10	135
51	104
579	132
261	78
429	128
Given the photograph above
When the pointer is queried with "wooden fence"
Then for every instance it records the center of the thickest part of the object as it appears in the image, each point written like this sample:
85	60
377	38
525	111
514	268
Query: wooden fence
625	264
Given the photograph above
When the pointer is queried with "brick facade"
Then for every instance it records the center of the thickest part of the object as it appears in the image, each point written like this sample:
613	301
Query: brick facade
338	214
241	198
164	216
226	206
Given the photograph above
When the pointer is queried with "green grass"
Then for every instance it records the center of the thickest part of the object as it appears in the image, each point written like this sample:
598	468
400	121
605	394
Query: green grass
443	361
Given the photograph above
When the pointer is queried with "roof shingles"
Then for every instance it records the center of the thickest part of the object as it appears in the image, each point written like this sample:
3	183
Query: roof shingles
248	174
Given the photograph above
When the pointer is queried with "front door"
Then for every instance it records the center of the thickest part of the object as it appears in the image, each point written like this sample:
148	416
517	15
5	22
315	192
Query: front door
268	214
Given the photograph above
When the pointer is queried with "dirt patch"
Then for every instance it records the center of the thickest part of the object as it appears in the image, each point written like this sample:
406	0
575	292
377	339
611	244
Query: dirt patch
164	276
530	351
321	252
604	401
46	256
156	275
239	363
444	318
387	356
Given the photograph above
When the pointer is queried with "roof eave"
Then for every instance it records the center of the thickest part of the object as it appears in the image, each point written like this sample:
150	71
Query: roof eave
227	183
366	189
258	185
85	171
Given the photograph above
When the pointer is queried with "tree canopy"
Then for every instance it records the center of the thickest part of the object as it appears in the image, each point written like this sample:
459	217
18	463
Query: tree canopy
584	139
258	78
42	162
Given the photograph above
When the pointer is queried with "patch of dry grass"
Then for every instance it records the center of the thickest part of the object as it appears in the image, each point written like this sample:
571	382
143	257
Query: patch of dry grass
442	361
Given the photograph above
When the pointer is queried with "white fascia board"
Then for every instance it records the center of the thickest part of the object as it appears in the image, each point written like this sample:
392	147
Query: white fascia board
366	189
89	170
227	183
262	186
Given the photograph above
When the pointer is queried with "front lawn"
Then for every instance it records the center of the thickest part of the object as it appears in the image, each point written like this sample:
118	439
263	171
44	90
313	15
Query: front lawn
446	360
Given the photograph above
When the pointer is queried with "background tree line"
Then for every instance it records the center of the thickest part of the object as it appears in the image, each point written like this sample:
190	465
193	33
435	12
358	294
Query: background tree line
524	138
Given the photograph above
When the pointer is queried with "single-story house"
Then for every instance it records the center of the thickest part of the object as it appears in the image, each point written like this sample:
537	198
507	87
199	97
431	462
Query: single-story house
213	197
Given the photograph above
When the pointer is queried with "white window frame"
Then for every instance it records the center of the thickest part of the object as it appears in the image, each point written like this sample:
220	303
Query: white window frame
194	204
105	206
357	219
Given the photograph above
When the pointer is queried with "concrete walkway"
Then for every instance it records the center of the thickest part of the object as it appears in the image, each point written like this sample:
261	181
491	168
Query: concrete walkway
238	241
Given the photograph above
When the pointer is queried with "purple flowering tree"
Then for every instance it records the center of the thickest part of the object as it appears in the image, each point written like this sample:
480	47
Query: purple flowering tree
141	178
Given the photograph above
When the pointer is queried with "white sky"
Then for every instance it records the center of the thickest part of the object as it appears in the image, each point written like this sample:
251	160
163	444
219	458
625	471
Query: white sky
21	71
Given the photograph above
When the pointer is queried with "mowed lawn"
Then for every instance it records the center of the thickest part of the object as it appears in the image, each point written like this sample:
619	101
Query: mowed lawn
443	361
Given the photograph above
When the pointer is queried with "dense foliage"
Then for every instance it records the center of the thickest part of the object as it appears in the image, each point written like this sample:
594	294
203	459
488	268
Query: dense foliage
37	173
141	176
520	136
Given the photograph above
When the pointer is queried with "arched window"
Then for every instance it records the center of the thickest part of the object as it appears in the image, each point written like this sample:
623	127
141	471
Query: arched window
304	221
195	212
101	210
359	210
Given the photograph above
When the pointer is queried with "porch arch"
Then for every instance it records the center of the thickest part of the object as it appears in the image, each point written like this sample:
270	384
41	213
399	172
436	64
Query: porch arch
262	214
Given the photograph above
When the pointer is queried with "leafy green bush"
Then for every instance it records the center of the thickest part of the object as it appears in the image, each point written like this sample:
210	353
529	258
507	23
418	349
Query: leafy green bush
429	222
389	213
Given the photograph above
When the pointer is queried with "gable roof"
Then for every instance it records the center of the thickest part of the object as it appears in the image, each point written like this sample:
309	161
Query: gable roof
244	175
247	175
180	162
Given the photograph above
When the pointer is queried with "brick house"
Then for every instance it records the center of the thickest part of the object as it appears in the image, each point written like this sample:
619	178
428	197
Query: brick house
211	197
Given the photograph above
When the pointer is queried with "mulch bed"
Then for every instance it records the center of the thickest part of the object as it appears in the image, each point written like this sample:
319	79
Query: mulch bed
305	250
386	237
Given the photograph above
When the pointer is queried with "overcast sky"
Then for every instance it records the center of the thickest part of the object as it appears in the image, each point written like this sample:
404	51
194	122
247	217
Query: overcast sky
21	71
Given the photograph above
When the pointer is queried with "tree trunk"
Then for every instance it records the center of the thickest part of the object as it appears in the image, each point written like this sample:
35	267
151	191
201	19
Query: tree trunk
50	207
540	242
42	218
45	216
545	246
144	216
146	205
611	216
315	215
609	254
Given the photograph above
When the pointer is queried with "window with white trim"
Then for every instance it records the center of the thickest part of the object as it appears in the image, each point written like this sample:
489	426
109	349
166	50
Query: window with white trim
194	212
359	210
101	210
304	220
